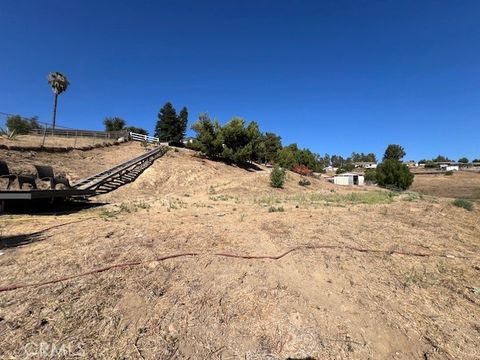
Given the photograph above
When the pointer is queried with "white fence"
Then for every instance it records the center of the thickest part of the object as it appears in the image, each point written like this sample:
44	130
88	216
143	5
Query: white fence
144	138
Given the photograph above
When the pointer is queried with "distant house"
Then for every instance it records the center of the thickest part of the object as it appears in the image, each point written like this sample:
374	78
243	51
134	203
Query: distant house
348	179
411	163
448	167
365	164
187	140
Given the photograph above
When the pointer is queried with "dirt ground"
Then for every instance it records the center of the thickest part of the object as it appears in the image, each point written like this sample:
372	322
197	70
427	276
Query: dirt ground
371	274
53	141
461	184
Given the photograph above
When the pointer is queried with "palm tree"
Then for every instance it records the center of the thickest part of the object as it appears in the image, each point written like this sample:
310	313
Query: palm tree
59	84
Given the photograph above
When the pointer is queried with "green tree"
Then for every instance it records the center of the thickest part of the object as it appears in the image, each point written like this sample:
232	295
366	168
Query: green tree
137	130
441	158
370	175
59	84
237	146
392	173
463	160
208	139
182	124
22	125
476	161
170	127
114	123
277	177
394	152
273	144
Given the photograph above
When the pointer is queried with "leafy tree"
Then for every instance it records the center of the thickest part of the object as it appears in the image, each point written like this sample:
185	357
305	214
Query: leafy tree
346	167
114	124
170	127
209	140
476	161
371	175
277	177
441	158
392	173
337	161
59	84
394	152
463	160
237	144
272	144
361	157
137	130
21	125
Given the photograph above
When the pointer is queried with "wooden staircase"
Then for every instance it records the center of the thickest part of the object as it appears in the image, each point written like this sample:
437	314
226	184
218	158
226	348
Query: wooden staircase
121	174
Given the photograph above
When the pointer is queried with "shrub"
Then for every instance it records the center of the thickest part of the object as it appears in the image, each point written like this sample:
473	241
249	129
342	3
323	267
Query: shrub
449	173
302	170
304	182
346	167
275	209
370	176
393	174
21	126
277	177
463	203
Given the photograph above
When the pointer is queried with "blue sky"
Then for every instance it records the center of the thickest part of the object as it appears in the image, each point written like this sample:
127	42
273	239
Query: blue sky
335	76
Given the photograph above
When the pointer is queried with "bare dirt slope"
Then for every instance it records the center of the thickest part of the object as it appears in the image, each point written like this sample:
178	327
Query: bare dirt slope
356	285
76	164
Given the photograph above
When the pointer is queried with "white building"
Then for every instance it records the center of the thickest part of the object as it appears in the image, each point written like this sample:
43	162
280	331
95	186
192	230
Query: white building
348	179
449	167
366	164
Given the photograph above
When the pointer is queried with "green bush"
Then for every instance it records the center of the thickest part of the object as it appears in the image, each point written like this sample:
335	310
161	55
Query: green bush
370	176
463	203
393	174
304	182
277	177
276	209
449	173
21	126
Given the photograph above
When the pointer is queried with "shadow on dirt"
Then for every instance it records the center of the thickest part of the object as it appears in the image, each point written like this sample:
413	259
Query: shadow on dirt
47	207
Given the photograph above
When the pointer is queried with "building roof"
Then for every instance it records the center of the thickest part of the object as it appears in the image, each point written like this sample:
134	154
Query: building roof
348	174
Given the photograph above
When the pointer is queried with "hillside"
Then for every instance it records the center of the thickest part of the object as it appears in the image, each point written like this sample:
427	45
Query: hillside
368	273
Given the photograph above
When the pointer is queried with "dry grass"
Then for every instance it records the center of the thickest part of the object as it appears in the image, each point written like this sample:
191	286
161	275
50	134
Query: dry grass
461	184
328	304
53	141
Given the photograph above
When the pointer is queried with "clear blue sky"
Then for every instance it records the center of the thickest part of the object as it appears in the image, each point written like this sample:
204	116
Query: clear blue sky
335	76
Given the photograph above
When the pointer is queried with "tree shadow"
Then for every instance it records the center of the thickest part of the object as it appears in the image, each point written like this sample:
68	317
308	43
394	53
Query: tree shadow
47	207
19	240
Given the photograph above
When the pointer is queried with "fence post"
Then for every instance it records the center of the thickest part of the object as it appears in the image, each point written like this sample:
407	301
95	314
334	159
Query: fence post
44	135
75	142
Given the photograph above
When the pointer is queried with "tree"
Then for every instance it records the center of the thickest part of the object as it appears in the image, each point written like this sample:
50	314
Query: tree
137	130
59	84
441	158
463	160
170	127
182	124
392	173
208	140
370	175
476	161
277	177
21	125
114	123
273	144
394	152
